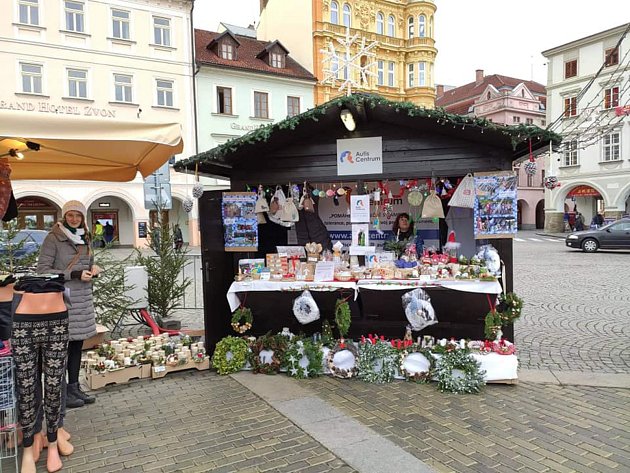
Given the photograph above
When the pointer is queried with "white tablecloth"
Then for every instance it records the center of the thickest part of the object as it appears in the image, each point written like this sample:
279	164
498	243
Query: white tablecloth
294	286
482	287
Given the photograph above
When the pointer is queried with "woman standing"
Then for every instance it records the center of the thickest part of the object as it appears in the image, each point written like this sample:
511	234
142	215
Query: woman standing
67	250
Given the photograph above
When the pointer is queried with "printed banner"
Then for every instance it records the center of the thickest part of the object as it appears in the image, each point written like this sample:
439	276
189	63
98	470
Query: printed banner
496	201
240	224
357	156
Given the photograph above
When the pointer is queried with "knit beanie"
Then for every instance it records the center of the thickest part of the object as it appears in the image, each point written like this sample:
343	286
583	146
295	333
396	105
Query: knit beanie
73	205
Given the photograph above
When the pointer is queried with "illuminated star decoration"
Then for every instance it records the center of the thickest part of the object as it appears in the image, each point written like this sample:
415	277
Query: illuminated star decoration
346	62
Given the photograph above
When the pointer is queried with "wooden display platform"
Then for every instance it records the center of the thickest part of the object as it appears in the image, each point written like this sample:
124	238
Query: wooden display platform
124	375
161	371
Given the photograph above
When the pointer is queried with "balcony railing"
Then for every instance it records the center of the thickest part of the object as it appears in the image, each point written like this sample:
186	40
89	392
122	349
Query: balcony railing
368	35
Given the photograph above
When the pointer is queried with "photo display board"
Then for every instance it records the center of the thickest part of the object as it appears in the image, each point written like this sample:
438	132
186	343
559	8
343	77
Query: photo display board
495	212
240	224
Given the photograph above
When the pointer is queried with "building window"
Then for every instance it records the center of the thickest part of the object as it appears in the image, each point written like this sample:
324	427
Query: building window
74	16
227	51
261	105
31	78
571	153
123	88
488	95
611	147
334	13
277	60
542	178
29	12
431	27
422	23
293	106
77	83
516	119
570	107
530	180
120	24
390	73
570	68
224	100
611	57
391	26
346	16
410	27
611	97
162	31
410	75
422	76
164	92
380	23
529	121
380	76
543	122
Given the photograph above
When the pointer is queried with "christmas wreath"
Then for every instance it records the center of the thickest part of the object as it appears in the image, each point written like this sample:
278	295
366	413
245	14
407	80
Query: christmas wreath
349	368
242	319
230	355
415	363
509	307
458	372
376	363
274	343
304	359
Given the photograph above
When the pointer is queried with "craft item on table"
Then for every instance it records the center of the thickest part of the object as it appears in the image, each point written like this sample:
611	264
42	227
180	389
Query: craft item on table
230	355
503	347
418	309
337	247
458	372
377	360
277	263
304	359
261	202
287	333
451	247
444	346
305	308
483	347
432	207
268	353
342	359
490	256
313	251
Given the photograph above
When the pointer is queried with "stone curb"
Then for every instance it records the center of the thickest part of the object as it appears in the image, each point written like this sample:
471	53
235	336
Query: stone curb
575	378
553	235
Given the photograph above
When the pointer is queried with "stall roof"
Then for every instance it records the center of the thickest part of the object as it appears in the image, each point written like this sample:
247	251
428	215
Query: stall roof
314	124
79	149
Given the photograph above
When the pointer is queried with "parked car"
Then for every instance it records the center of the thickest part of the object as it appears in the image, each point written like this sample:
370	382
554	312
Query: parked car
614	236
32	239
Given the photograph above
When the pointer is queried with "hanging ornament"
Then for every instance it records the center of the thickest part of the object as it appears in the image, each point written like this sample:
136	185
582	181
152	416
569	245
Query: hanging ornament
197	190
530	168
551	182
187	204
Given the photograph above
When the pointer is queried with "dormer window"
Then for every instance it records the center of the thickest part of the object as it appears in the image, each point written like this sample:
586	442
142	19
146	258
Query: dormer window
227	51
276	60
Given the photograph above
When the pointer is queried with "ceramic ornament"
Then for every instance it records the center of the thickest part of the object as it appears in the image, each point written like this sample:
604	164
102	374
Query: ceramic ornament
187	204
197	190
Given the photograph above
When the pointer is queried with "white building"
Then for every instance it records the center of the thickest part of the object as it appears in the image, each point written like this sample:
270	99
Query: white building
115	60
243	84
588	102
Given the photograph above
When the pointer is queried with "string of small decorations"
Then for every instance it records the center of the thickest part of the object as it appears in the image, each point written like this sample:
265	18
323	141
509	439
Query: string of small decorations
238	351
304	358
377	360
458	372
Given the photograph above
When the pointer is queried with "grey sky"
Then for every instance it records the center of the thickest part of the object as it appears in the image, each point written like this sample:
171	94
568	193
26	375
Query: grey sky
498	36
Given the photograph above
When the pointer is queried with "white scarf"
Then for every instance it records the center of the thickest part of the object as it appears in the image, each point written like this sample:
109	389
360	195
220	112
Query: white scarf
74	237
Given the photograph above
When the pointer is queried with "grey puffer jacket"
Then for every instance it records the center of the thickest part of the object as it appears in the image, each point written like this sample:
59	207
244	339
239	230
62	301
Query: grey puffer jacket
55	254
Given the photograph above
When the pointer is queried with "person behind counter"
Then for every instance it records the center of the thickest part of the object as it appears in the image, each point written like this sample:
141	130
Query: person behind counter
403	229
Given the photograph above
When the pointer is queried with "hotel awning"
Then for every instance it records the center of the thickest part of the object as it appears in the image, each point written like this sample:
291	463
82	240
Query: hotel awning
583	191
69	148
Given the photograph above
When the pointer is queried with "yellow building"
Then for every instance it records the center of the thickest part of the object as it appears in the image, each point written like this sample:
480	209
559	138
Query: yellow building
404	29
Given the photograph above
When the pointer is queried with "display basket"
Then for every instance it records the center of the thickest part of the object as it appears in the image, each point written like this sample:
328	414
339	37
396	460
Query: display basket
8	416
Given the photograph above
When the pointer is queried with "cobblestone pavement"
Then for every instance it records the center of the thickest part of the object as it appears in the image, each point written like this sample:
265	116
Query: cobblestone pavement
191	422
527	427
577	307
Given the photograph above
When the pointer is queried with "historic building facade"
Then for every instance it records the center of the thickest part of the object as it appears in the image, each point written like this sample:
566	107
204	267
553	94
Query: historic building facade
117	60
588	97
508	101
403	68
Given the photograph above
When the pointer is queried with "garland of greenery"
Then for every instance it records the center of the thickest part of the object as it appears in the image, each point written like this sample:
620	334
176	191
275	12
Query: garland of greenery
342	317
518	134
278	344
242	319
299	348
472	380
417	376
338	372
239	350
370	355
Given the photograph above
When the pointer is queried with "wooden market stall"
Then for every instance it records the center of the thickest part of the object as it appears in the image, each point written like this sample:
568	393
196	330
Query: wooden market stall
416	143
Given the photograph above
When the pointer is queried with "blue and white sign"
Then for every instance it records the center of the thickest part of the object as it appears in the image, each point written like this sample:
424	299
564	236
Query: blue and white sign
358	156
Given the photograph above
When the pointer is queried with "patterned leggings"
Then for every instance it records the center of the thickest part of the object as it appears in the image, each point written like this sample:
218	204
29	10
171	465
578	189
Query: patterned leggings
36	335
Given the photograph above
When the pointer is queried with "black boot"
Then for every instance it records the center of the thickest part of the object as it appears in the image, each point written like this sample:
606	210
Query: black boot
73	398
86	398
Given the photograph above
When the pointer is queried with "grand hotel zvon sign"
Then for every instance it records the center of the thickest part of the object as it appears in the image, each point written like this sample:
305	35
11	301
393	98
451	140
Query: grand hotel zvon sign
45	107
